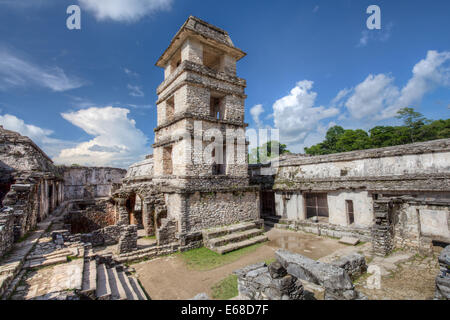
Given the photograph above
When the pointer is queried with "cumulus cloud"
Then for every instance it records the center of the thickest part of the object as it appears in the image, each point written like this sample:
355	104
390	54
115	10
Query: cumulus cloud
15	72
256	111
117	142
42	137
135	91
296	115
124	10
371	95
378	98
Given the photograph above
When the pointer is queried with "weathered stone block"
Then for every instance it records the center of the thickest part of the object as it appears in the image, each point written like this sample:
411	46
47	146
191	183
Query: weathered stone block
326	275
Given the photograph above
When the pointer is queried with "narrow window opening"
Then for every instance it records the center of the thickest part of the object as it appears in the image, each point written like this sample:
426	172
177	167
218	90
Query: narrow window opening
350	212
170	108
167	161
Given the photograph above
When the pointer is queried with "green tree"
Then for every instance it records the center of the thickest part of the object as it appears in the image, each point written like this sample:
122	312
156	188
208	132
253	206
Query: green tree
413	120
353	140
267	151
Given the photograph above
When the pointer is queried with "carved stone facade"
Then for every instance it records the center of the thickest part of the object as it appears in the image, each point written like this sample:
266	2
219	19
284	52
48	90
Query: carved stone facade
177	192
31	187
394	197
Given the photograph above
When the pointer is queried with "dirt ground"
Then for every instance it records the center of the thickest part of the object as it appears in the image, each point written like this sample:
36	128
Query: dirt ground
404	275
410	279
168	278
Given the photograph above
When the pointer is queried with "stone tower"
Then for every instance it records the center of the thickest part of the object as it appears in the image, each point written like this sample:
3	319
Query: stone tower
200	151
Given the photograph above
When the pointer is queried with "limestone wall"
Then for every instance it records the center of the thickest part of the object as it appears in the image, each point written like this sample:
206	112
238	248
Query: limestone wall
291	205
419	166
6	231
418	223
206	210
90	182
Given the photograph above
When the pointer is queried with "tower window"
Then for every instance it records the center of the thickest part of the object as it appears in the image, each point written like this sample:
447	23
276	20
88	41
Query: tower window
211	58
219	163
167	161
170	108
217	108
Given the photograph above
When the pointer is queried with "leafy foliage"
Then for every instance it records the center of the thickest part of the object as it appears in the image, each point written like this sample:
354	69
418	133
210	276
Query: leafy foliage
267	151
415	128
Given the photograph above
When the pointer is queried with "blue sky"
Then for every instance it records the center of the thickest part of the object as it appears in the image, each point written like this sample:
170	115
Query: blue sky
88	96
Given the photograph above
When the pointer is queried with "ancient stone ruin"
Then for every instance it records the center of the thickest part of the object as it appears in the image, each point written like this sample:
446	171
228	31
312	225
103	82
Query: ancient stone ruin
395	197
285	278
443	279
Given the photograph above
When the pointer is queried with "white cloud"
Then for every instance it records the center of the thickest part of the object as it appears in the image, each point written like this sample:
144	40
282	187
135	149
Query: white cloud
135	91
40	136
130	72
124	10
338	100
256	111
296	116
381	35
377	98
15	72
371	95
117	142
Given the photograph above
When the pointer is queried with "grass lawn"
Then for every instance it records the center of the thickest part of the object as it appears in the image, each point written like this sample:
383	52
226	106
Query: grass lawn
204	259
225	289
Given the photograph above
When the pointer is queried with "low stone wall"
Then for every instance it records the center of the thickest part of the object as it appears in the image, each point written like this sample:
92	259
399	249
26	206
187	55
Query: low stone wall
443	279
101	237
262	282
327	229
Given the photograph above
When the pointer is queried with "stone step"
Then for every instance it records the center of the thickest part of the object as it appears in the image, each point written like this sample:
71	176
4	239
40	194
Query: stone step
5	280
275	219
39	263
137	288
89	278
222	231
242	244
270	223
233	237
129	290
9	267
103	290
115	283
59	253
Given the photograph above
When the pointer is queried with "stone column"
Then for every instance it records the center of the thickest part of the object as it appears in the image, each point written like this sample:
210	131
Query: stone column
121	207
382	230
148	217
128	239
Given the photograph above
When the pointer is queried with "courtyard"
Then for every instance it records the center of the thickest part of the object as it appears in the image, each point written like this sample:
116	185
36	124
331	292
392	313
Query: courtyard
182	276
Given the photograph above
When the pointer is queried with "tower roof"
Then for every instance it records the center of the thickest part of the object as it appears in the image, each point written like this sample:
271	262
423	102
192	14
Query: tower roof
206	33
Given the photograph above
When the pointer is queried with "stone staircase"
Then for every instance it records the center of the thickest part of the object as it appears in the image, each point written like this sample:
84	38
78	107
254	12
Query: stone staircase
226	239
103	281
